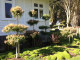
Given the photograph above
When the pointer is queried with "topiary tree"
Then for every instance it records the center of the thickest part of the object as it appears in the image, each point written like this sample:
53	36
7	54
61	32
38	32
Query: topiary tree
15	39
32	22
45	18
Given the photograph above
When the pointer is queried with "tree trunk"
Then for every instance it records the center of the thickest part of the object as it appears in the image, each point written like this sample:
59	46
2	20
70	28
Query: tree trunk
16	51
17	44
33	27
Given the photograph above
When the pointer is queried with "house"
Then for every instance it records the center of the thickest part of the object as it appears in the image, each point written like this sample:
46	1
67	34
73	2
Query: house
41	6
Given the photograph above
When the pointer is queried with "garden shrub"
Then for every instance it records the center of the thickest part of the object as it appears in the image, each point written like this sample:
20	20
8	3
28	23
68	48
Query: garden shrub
69	31
25	53
76	41
33	38
14	27
26	57
55	36
0	57
46	17
10	55
66	55
43	27
13	39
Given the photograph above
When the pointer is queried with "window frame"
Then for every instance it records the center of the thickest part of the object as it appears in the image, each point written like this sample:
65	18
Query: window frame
7	10
39	8
3	9
40	13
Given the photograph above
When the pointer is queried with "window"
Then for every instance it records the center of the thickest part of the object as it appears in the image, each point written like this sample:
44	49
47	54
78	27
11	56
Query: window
40	5
8	5
7	10
39	9
8	0
35	5
41	13
37	13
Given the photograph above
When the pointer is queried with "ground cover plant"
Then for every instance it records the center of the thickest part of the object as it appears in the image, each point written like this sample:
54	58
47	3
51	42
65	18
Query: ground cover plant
52	52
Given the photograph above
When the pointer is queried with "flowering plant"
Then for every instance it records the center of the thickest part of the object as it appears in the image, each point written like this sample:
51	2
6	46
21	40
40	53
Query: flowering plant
17	11
12	39
15	27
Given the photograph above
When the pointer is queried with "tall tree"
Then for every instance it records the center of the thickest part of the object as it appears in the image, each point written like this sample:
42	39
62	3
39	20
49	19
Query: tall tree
75	7
66	5
56	11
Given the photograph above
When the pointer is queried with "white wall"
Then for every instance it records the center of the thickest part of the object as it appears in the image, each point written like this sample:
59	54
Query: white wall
26	5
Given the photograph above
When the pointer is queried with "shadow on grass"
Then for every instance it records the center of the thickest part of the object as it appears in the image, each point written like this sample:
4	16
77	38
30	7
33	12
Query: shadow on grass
51	50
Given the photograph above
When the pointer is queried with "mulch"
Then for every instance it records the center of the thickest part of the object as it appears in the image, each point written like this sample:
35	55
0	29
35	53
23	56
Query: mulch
16	59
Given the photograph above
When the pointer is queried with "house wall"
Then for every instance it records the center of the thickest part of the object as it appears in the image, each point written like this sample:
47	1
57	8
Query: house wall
26	5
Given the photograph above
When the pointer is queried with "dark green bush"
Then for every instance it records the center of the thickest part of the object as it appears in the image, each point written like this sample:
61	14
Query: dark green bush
33	38
32	22
46	17
43	27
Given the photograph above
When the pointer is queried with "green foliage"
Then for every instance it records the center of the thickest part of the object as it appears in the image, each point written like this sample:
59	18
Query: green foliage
63	23
58	25
76	41
43	27
12	39
45	33
10	55
14	28
46	17
69	31
35	35
32	22
59	56
17	11
26	57
56	32
32	13
44	53
75	51
75	58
